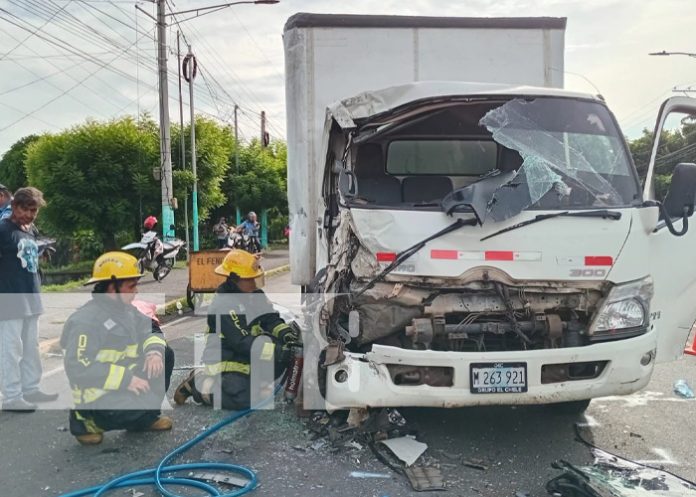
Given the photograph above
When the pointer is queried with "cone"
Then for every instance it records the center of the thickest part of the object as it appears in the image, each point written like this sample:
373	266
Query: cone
691	350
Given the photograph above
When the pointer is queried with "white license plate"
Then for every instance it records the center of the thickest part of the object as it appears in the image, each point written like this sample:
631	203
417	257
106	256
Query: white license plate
498	377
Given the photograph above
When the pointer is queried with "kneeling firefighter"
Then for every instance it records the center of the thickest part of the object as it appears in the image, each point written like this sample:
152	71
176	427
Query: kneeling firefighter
239	315
116	358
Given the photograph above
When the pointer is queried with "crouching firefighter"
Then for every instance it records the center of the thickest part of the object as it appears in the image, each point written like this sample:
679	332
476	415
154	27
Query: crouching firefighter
116	359
244	332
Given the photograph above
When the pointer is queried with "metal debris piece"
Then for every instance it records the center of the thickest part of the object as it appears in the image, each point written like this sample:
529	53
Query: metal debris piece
407	449
62	428
521	494
363	474
354	445
425	478
475	463
334	353
357	416
223	478
134	493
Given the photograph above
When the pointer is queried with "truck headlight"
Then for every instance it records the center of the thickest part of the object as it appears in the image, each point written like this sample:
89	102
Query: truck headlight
626	306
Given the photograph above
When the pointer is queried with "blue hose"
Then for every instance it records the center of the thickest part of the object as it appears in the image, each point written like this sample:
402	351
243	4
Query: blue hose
155	476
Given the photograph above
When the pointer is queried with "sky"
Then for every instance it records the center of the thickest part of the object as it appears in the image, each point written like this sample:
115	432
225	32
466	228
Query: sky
67	61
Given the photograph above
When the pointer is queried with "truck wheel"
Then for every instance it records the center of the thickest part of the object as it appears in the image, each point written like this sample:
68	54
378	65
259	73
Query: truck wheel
572	407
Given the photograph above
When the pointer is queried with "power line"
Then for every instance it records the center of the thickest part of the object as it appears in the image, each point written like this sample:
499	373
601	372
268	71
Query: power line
30	34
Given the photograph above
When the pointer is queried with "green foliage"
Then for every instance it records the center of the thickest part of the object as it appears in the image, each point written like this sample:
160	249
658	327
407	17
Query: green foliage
261	182
12	172
95	177
214	144
98	181
676	146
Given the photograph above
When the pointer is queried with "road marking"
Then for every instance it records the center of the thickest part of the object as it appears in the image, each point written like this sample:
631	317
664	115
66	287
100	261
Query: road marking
639	399
665	458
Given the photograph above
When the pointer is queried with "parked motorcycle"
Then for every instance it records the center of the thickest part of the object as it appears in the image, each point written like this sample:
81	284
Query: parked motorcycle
154	255
244	242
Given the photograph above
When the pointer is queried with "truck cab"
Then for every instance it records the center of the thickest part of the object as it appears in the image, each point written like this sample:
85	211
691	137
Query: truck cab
491	243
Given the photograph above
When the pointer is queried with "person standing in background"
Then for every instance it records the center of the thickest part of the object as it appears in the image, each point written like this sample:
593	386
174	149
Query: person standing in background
222	232
20	305
5	202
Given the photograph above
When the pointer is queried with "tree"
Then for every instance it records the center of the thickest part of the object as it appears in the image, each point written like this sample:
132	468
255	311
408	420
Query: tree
261	182
96	177
12	171
214	143
676	145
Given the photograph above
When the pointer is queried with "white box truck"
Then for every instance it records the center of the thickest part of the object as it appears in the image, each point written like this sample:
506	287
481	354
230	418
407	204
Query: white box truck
476	234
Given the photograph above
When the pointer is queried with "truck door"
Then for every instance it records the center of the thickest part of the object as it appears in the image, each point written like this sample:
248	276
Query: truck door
672	259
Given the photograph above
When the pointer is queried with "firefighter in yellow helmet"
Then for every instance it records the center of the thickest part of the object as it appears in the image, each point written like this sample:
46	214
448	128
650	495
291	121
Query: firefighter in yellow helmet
116	359
239	315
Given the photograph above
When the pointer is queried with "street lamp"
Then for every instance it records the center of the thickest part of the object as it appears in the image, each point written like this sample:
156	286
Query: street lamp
214	8
688	54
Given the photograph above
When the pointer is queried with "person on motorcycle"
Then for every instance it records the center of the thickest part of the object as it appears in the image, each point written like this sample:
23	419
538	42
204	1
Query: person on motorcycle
155	245
239	315
250	227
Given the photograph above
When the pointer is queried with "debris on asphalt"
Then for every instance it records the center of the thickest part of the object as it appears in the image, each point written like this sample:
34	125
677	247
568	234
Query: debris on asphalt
683	390
224	478
425	478
475	463
407	449
134	493
521	494
611	475
635	435
62	428
364	474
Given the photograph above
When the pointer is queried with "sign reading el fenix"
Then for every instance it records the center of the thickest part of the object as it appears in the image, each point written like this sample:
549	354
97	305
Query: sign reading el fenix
202	277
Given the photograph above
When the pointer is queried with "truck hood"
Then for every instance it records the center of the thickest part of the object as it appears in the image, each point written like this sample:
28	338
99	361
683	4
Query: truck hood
555	249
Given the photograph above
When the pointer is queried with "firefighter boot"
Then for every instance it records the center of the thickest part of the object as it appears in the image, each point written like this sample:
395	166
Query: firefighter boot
163	423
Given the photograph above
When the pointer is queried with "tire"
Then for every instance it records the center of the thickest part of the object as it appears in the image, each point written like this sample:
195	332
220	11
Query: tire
161	272
573	407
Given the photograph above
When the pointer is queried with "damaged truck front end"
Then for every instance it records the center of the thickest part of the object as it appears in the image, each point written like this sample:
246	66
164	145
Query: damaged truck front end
469	242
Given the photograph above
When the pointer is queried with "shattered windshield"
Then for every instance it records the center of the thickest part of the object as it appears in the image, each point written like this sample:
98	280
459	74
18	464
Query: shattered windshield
572	157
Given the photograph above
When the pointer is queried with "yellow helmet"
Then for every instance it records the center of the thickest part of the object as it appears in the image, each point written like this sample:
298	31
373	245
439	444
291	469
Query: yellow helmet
115	266
241	263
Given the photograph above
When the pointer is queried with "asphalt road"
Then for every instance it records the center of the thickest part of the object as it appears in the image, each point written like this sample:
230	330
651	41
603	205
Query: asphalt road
517	444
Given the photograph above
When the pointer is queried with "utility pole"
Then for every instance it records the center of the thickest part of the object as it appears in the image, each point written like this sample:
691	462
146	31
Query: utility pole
168	201
190	75
236	159
181	139
264	135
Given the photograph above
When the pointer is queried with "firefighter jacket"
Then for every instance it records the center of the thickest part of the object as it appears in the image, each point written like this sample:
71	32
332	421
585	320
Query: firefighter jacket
104	341
235	320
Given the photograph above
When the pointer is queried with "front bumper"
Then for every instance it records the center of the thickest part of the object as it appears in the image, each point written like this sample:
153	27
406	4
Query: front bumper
366	381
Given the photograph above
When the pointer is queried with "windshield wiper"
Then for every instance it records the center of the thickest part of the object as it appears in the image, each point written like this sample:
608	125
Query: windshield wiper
603	213
402	256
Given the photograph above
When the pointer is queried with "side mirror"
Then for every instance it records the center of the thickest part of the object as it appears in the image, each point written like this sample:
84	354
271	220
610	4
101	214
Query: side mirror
680	199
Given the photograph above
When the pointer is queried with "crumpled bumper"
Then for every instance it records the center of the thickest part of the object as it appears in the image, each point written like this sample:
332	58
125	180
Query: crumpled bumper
365	380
